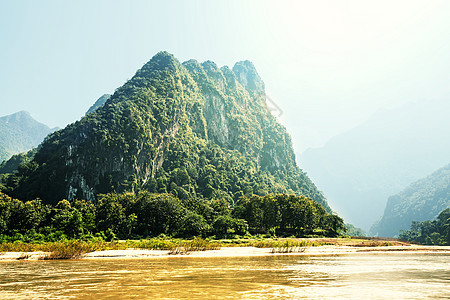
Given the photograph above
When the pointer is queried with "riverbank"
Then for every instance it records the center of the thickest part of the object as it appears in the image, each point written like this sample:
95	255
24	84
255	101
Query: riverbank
253	251
317	247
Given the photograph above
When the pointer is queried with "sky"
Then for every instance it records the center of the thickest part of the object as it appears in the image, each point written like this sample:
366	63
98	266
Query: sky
328	65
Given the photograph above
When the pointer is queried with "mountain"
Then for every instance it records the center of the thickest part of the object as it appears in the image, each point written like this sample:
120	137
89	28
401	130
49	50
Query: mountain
19	132
359	169
422	200
100	101
191	129
11	165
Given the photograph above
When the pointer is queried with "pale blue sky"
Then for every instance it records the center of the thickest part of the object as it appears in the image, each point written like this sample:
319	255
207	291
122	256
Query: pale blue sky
328	65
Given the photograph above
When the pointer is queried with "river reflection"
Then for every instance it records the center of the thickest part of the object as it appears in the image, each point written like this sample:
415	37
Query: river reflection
368	276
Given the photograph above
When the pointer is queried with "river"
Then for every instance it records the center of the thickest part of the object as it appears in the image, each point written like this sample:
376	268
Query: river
362	276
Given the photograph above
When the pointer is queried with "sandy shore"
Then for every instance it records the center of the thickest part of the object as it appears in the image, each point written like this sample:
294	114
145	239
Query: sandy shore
240	252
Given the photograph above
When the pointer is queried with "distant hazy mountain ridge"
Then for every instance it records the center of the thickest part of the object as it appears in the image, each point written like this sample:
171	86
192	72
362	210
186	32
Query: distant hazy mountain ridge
191	129
359	169
100	102
19	132
422	200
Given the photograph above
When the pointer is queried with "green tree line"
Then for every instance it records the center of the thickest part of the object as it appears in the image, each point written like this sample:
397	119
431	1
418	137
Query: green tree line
435	232
144	214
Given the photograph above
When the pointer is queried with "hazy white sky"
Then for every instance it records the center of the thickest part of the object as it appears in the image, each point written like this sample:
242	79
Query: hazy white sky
328	65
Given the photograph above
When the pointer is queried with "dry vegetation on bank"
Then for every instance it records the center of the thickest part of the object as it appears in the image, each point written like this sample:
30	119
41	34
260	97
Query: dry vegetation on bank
73	249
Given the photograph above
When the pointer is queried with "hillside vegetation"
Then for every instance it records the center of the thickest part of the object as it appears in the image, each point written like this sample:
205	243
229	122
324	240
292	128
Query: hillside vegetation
192	130
422	200
430	232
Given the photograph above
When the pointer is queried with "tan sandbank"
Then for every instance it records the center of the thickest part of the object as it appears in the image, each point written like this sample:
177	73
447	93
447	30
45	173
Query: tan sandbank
327	250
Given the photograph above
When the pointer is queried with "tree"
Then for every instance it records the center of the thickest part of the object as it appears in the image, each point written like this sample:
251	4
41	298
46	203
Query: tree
225	224
193	224
158	213
333	224
67	219
110	213
87	210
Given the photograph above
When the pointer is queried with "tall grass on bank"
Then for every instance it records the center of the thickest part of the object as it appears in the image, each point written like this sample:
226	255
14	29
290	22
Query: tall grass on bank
54	250
197	244
284	246
67	249
279	243
72	249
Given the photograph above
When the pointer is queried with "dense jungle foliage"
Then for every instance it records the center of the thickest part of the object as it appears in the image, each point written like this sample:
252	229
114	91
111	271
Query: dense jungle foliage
144	215
193	130
435	232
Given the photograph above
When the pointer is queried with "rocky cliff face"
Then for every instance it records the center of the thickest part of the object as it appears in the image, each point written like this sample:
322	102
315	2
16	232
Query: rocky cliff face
191	129
422	200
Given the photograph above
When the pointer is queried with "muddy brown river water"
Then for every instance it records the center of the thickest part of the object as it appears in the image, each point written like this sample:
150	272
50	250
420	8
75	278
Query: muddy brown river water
366	276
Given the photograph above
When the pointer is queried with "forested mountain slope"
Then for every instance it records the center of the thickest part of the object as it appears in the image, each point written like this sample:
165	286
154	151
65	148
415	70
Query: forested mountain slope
191	129
422	200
